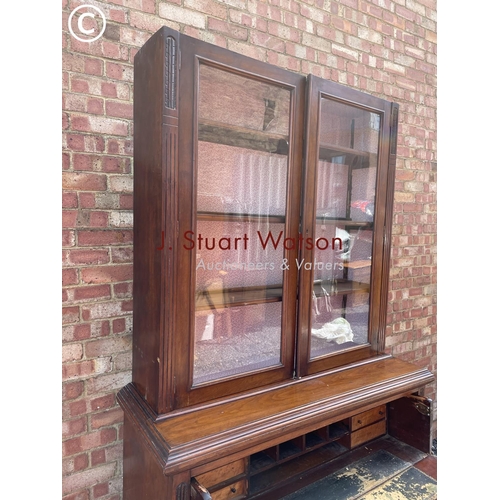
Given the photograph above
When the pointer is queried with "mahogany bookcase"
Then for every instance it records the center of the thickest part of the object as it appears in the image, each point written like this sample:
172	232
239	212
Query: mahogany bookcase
262	225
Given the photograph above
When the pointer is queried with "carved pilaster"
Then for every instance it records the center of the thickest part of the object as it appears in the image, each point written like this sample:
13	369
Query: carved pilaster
182	492
171	58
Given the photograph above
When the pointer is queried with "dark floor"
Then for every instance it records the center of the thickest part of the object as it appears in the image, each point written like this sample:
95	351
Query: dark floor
385	469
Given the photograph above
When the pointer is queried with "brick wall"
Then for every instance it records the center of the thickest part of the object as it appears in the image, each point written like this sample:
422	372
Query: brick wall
384	47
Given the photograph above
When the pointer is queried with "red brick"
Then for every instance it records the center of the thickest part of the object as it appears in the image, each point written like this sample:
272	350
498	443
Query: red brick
107	274
106	418
98	238
126	201
103	402
75	463
119	325
69	218
98	457
92	292
227	29
79	85
73	427
94	218
95	106
81	123
75	142
87	200
100	490
84	182
88	257
109	89
119	147
69	277
78	370
108	346
72	390
119	109
76	332
93	66
122	290
114	164
111	50
117	16
71	314
94	143
82	495
66	160
83	162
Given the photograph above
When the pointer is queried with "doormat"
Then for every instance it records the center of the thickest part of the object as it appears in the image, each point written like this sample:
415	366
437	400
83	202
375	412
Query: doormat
381	476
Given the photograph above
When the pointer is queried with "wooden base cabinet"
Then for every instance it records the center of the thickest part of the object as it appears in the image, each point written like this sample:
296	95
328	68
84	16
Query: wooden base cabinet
245	446
262	226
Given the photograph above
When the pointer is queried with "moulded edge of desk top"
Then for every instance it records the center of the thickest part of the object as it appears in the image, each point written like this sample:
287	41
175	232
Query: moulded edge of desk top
239	426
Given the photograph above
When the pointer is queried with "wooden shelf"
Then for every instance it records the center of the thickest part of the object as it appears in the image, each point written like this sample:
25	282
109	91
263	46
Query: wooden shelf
297	447
235	217
245	296
344	222
277	219
240	137
353	157
339	287
358	264
237	297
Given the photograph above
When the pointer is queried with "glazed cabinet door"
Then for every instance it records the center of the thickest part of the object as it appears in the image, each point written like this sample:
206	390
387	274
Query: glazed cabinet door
262	217
239	186
346	227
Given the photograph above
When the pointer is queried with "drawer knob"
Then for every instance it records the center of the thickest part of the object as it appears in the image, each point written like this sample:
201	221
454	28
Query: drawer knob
360	422
233	489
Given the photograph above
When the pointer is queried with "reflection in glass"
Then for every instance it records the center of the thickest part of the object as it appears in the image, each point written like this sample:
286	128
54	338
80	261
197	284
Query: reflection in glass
242	181
231	341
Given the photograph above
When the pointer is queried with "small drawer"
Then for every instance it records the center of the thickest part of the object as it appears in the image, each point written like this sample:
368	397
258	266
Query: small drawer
367	417
367	433
221	474
232	492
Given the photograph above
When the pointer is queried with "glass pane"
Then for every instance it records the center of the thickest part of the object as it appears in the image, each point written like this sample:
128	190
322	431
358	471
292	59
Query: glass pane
234	253
239	102
242	181
241	204
233	340
345	206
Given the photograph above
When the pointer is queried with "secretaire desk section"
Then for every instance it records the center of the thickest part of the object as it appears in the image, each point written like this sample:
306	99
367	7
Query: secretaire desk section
218	451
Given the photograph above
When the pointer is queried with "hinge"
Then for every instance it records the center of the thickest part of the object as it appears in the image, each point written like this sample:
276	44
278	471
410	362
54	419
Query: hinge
422	408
